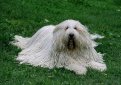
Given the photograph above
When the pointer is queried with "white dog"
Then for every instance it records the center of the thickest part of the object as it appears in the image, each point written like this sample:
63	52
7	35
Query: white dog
67	45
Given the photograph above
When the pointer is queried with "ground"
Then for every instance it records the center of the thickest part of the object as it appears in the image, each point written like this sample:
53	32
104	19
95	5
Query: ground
25	17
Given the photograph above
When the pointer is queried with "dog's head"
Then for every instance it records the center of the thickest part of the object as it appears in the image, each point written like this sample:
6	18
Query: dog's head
71	34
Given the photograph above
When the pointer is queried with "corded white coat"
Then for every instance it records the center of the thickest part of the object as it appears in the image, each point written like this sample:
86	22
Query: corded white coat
48	48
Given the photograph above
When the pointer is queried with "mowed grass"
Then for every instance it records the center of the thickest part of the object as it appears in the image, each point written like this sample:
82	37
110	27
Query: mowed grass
25	17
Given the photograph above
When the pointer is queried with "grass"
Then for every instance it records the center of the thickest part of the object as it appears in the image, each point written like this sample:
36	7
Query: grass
25	17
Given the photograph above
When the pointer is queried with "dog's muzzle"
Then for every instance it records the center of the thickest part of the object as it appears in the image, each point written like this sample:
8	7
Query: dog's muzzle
71	41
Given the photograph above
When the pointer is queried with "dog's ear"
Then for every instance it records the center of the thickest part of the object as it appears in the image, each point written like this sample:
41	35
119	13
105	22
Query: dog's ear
57	28
82	30
81	27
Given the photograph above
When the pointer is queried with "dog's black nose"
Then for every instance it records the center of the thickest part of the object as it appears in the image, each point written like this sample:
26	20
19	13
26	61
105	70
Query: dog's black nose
71	35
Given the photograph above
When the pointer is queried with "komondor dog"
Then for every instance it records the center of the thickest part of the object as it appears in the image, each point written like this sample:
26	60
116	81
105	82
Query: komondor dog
68	45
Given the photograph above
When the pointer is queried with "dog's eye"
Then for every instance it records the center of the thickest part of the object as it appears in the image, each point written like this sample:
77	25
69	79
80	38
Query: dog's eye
66	27
75	28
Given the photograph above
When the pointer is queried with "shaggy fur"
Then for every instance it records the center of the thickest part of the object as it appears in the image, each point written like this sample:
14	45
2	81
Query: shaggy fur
68	45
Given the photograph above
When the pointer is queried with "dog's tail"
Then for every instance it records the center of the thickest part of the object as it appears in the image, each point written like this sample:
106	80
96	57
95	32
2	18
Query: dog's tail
96	36
20	41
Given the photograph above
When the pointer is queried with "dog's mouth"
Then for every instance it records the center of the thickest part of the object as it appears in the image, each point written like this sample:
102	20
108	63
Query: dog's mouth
71	43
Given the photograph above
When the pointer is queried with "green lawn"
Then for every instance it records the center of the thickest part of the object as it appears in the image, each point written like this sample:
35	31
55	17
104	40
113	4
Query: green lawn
25	17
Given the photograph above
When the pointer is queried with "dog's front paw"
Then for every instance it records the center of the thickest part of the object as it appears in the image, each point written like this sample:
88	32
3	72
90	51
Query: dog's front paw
81	71
98	66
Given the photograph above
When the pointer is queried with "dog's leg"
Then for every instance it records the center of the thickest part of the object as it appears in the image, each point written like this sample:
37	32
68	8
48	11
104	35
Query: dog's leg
97	66
78	69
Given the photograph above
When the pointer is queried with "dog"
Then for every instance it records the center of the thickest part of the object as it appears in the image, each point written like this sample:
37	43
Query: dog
68	45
